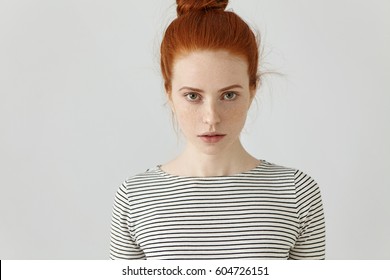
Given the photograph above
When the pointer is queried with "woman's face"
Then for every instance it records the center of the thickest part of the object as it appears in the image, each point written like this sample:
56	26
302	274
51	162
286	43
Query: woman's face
210	98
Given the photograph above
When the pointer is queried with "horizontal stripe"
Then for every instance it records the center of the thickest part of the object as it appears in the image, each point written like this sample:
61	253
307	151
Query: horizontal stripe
269	212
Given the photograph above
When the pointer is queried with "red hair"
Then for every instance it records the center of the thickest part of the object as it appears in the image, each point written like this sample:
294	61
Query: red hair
205	25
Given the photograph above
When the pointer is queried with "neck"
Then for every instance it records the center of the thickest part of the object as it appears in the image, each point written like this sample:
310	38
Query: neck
193	163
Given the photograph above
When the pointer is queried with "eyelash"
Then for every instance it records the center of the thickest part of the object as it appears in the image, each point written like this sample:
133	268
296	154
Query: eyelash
230	92
187	95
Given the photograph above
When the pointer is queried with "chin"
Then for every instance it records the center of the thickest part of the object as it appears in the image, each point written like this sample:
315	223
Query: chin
212	150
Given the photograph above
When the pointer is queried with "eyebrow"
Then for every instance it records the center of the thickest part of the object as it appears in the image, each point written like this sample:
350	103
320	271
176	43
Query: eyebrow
222	89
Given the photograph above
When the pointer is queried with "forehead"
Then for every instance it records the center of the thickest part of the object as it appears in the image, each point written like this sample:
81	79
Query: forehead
210	67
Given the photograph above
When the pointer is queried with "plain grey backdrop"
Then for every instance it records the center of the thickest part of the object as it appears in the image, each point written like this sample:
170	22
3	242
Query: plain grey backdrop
82	108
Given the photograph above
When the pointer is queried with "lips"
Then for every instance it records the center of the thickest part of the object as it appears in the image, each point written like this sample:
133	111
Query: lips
212	137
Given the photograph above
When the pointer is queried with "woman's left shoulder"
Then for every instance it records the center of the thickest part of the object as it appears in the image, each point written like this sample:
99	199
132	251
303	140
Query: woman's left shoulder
299	177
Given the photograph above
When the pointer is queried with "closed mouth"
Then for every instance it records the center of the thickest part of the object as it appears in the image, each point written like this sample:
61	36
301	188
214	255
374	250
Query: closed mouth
211	134
212	138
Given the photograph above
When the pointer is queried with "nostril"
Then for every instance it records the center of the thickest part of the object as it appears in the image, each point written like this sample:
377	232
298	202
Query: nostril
211	118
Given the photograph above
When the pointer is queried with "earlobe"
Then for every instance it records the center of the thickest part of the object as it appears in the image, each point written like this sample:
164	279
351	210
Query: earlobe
252	93
169	100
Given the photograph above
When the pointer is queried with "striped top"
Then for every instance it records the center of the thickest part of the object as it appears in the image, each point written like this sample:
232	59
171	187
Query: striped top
269	212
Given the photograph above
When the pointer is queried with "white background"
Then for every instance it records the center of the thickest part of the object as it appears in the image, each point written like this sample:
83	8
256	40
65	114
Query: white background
82	108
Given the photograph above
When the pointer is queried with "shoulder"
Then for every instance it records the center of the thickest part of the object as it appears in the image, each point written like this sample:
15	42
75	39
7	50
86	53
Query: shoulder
148	178
147	175
132	185
300	179
276	168
306	189
276	172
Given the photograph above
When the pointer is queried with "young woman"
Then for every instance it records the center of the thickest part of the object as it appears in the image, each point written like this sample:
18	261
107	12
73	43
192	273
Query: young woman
215	200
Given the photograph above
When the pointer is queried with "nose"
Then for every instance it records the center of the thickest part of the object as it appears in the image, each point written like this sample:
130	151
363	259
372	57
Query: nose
211	115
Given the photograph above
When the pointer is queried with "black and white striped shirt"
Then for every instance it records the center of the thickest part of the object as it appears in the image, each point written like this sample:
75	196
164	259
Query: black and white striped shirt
269	212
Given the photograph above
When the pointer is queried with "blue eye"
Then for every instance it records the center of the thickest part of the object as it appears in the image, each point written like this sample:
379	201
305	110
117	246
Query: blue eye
229	95
192	96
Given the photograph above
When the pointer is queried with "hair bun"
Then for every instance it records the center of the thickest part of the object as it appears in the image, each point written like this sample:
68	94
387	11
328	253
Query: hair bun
187	6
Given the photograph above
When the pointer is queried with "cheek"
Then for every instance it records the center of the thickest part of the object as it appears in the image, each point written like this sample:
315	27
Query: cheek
236	114
186	117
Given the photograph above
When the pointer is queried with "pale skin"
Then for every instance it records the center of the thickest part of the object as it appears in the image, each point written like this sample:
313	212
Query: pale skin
210	97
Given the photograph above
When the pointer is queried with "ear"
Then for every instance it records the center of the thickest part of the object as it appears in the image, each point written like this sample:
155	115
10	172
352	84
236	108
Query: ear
253	89
254	86
252	94
169	100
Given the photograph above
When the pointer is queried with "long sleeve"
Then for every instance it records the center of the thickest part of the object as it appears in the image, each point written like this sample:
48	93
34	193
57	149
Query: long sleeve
122	244
311	240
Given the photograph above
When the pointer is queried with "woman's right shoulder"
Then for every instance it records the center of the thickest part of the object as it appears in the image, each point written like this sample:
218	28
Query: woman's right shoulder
147	177
148	174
